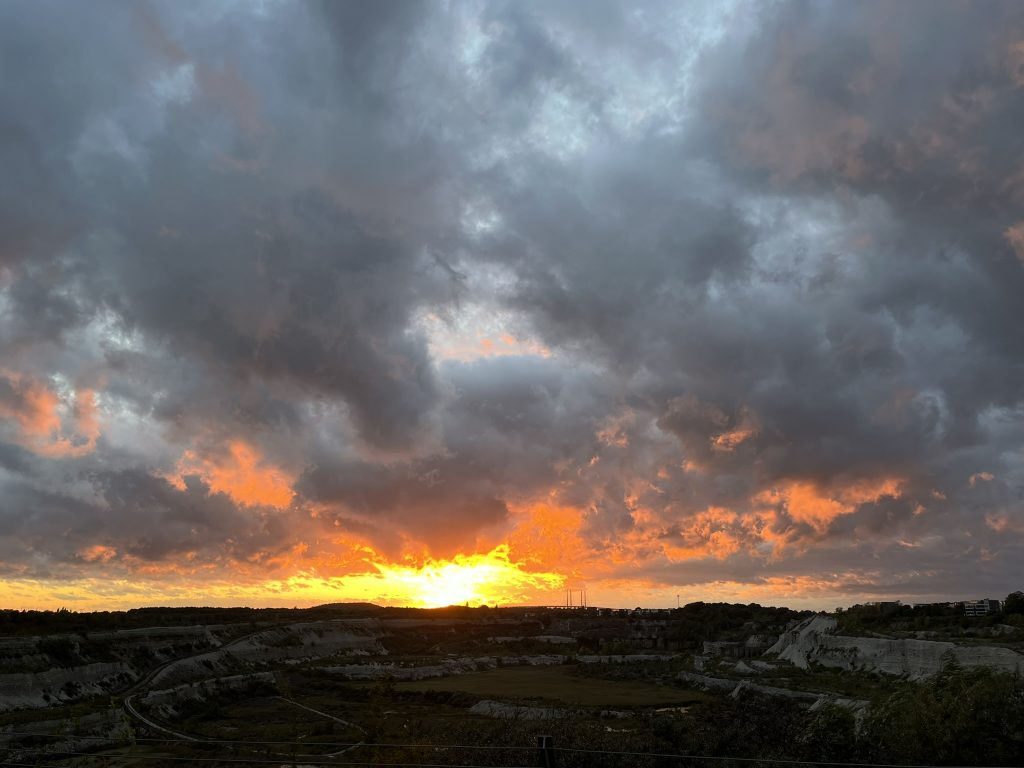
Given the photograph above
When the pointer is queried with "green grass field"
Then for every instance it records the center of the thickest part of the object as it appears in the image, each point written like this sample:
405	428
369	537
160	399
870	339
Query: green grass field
559	684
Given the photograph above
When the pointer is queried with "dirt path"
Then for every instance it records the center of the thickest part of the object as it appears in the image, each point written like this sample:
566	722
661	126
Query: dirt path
129	708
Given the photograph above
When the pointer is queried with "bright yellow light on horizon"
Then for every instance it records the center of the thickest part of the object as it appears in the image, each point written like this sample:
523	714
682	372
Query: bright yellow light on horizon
490	578
474	579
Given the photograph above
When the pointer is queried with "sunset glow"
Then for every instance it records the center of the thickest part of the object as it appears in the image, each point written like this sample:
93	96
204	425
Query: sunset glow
445	303
488	579
491	578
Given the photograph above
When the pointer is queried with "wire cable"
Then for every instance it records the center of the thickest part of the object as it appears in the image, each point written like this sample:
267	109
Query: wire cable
772	760
109	758
315	761
255	761
247	742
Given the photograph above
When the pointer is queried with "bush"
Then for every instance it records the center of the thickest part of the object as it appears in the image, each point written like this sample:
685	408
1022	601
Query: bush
965	717
63	650
1014	605
830	735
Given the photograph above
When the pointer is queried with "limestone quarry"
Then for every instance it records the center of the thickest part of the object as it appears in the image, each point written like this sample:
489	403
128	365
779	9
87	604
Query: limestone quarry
815	641
374	673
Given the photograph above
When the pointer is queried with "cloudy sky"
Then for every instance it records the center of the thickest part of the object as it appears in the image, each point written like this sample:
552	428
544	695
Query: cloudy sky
308	301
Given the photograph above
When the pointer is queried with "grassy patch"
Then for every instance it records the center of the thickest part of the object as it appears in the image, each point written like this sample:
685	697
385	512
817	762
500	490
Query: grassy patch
262	717
558	684
870	686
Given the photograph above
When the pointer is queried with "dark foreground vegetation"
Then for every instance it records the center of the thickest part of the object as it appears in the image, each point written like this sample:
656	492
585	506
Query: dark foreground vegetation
962	717
946	619
13	622
218	702
693	622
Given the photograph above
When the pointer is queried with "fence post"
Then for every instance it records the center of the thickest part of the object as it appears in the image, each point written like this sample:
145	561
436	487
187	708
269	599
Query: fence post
546	748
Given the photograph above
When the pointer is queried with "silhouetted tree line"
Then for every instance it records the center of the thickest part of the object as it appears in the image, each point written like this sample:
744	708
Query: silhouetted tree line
1014	604
934	617
63	620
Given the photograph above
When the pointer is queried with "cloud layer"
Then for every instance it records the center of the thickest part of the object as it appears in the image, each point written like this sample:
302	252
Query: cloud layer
723	298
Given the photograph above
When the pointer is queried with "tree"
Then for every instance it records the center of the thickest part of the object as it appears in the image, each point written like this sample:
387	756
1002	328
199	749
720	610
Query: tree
1014	604
959	717
830	735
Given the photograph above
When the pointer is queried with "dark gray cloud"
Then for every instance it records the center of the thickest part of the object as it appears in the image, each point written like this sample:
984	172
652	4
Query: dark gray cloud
738	283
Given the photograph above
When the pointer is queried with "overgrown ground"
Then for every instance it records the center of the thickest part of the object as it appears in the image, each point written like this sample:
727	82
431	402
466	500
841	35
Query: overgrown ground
962	717
559	685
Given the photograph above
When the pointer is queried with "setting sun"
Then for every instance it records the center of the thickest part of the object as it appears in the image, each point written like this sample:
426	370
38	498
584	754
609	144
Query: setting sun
474	579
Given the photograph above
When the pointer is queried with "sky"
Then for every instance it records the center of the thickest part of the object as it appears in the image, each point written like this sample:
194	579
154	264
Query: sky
446	302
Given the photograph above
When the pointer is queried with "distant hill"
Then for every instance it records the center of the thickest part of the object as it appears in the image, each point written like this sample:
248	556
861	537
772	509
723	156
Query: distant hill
347	607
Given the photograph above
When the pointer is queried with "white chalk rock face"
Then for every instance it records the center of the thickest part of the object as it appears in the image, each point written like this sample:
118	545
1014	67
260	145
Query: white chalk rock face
815	640
28	690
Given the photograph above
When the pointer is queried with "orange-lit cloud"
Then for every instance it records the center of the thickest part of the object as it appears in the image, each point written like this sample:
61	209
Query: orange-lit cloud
240	472
615	430
546	545
807	503
46	423
477	336
1015	237
729	440
707	534
1004	523
547	536
34	411
98	553
507	344
983	477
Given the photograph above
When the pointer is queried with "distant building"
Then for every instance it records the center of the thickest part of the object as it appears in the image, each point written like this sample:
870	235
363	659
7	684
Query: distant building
723	648
754	645
981	607
758	644
653	634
